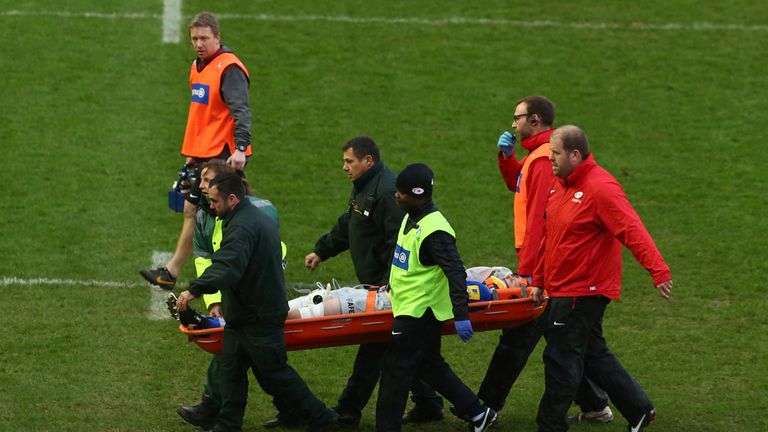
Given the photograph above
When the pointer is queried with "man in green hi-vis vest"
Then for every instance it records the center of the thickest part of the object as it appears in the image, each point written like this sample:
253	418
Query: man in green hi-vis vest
428	286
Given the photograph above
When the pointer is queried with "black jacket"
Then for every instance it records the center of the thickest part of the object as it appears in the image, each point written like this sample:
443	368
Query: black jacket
247	269
368	229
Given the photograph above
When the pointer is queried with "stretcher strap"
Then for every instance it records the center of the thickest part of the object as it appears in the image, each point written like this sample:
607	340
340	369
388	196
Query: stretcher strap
370	300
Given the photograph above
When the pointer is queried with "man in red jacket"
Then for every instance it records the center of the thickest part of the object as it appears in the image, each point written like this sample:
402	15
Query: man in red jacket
530	179
588	219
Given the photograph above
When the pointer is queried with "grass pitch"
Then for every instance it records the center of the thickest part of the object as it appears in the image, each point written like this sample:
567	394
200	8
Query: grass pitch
93	111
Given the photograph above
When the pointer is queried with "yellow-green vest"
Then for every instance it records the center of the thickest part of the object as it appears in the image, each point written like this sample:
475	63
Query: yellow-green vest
415	287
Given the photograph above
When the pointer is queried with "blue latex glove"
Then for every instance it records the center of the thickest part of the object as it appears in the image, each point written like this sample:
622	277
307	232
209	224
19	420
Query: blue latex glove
506	143
464	330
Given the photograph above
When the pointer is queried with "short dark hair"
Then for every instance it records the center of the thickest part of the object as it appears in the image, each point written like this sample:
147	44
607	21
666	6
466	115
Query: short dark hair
362	146
574	138
205	19
221	166
229	183
541	106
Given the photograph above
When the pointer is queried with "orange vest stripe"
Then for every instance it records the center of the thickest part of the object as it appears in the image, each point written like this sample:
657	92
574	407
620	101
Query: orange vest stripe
210	126
521	194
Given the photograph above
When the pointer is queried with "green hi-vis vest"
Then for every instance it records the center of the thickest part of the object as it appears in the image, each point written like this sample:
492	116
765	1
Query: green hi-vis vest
203	263
413	286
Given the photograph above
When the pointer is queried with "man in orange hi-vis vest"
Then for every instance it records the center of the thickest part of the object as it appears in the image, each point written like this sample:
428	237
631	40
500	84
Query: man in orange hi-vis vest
218	127
530	179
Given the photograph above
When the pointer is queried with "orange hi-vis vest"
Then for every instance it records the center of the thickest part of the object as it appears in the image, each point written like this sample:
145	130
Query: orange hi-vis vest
521	192
210	126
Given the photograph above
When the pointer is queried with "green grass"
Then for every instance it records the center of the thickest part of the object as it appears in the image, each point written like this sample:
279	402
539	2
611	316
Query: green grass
93	112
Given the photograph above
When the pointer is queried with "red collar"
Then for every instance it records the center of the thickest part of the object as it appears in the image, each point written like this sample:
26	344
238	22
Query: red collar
533	142
581	171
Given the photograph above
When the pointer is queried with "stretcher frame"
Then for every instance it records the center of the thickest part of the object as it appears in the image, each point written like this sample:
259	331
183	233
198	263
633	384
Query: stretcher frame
374	327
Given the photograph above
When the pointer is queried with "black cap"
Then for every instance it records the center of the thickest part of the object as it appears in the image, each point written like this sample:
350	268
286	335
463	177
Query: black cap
415	180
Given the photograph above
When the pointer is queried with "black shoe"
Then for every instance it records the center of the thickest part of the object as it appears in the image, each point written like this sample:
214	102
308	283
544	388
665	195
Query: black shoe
203	414
644	421
160	277
489	418
420	415
330	423
346	417
285	421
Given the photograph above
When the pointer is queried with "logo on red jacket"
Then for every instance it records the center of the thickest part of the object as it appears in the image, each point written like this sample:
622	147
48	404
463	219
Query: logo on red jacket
577	197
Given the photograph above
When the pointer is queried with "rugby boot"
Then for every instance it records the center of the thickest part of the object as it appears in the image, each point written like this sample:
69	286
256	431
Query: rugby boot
160	277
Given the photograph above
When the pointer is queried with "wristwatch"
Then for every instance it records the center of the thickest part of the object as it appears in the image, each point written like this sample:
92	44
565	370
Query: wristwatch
241	147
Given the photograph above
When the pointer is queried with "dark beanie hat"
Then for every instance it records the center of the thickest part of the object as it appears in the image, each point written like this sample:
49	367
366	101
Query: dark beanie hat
415	180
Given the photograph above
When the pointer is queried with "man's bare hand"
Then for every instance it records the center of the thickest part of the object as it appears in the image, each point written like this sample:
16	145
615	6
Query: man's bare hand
537	294
237	160
184	298
312	261
665	288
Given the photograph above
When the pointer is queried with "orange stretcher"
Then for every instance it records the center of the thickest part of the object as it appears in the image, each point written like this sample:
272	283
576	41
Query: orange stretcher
371	327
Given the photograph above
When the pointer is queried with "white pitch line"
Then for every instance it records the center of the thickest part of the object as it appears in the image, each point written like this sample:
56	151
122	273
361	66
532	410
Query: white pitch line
67	14
13	280
171	21
157	309
497	22
450	21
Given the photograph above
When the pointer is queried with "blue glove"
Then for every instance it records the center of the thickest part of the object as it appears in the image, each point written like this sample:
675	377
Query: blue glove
464	330
506	143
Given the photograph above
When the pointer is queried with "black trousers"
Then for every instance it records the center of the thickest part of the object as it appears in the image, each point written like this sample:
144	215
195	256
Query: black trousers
575	346
212	388
414	350
509	359
365	375
261	347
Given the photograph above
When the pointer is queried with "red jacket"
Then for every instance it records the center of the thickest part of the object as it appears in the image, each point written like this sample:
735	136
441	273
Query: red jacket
588	218
538	182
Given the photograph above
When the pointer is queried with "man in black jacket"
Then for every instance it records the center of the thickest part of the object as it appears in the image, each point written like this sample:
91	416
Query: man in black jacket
247	269
368	229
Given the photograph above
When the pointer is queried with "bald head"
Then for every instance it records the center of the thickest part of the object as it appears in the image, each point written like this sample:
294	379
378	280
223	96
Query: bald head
573	138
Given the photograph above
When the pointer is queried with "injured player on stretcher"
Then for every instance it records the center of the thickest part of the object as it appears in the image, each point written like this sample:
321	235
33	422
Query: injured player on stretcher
483	284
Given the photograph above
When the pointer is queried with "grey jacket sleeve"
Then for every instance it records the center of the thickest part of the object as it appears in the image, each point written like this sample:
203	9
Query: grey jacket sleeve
234	91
